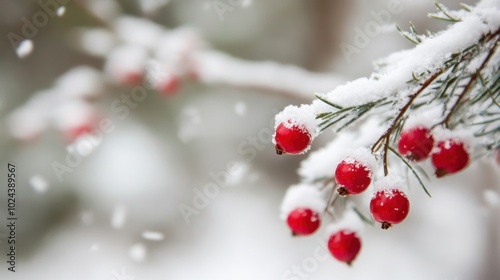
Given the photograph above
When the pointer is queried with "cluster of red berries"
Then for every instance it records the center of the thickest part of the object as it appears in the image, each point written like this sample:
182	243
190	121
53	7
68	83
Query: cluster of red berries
344	244
389	204
448	156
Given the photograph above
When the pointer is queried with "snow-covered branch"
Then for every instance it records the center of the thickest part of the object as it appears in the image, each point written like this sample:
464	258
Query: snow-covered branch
217	68
438	100
139	52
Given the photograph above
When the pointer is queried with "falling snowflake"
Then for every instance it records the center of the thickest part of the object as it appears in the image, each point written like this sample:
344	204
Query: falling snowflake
24	49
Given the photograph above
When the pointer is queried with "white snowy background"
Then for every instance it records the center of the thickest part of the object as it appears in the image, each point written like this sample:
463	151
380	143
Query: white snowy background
116	215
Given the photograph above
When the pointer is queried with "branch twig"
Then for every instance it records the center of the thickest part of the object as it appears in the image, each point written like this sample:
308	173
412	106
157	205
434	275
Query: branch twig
405	108
469	86
217	68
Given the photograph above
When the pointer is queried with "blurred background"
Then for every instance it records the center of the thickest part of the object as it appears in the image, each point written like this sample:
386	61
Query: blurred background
119	211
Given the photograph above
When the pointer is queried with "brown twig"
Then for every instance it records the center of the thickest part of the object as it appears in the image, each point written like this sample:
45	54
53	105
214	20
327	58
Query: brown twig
387	134
403	110
386	150
327	182
469	86
385	138
331	199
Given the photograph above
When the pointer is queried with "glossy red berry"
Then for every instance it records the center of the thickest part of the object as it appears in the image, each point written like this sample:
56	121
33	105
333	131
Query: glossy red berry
416	144
344	246
450	157
303	221
291	140
352	177
389	207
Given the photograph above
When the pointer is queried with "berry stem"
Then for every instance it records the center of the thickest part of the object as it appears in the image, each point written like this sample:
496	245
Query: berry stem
331	200
386	136
334	199
369	221
327	182
386	149
386	225
403	110
411	169
343	191
279	150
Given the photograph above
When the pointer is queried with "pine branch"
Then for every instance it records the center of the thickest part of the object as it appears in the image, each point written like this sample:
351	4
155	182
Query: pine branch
447	16
412	92
365	219
471	83
453	68
402	112
411	169
448	81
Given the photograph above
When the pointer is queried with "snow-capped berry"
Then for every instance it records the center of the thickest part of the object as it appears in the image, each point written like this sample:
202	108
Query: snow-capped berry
389	206
450	156
295	128
344	246
169	86
300	208
416	143
126	64
291	140
352	177
303	221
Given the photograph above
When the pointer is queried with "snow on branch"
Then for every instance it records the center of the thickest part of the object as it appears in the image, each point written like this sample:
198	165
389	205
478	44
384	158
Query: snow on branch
218	68
139	52
183	52
436	63
445	90
427	57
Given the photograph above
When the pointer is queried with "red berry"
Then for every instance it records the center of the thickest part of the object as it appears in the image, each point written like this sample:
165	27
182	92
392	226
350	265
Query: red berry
169	86
450	157
132	78
389	207
344	246
73	133
352	177
303	221
291	140
416	143
497	156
